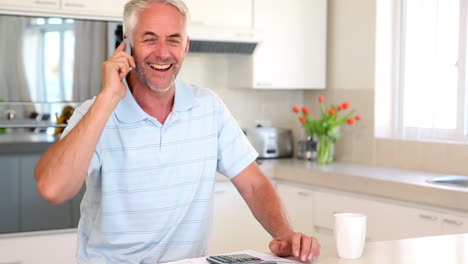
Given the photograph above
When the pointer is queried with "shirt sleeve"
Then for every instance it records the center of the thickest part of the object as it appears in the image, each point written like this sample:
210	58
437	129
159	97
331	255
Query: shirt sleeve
78	114
235	152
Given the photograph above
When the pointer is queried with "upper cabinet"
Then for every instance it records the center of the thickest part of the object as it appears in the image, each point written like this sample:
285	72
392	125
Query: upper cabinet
292	53
217	13
95	9
23	5
103	9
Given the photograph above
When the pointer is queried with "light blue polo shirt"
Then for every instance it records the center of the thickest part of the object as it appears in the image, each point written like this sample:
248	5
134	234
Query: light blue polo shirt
150	185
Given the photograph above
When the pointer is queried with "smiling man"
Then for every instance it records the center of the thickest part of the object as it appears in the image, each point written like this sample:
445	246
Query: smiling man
149	147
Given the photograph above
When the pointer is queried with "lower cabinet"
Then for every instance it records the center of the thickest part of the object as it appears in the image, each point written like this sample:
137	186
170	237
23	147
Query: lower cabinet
234	226
23	209
301	207
36	213
55	248
9	189
386	219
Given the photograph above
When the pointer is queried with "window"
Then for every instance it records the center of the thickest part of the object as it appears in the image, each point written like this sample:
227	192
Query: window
420	70
51	45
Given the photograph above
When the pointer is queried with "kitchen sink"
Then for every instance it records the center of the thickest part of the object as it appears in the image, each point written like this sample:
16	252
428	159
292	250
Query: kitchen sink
453	180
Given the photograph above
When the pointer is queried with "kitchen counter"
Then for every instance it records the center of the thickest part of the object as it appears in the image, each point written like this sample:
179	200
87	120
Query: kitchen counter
59	247
451	249
25	142
396	184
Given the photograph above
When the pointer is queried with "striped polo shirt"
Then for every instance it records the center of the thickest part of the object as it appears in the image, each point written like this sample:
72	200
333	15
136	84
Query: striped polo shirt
150	186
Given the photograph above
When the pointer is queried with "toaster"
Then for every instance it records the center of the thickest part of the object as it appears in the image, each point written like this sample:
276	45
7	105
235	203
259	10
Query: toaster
271	142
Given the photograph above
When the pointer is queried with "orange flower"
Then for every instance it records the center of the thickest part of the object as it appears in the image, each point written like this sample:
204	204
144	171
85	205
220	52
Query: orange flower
340	107
331	111
305	110
302	120
358	117
345	105
351	121
295	109
321	99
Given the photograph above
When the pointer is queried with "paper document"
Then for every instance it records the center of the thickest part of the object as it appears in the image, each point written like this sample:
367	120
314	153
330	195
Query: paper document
264	256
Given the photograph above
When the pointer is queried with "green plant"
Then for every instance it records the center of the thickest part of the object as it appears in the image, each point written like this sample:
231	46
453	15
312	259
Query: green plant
325	127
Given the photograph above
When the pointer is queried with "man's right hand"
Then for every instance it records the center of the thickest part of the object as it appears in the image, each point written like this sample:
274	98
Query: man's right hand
114	70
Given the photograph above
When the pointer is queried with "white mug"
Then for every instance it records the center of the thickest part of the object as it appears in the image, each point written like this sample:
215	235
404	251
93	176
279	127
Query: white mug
350	234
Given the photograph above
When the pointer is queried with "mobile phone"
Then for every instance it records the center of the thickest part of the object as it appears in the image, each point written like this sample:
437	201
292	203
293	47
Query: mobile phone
128	46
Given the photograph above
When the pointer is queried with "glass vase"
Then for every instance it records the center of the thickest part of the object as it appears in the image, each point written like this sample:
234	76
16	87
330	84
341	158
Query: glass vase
325	149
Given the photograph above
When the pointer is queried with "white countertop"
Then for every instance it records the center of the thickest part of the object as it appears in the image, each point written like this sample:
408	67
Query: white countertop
397	184
446	249
450	249
59	247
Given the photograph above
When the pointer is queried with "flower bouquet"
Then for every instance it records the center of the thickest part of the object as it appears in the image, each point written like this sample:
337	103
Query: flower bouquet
326	128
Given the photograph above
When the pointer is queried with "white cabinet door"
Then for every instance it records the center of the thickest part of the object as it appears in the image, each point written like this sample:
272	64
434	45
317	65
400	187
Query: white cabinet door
299	204
218	13
29	5
293	51
234	227
454	224
100	8
55	248
392	221
385	220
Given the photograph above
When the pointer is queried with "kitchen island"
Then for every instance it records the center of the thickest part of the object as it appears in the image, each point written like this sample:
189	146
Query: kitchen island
446	249
59	248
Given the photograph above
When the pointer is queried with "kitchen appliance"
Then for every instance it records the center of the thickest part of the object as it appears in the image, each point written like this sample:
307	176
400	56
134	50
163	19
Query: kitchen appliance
271	142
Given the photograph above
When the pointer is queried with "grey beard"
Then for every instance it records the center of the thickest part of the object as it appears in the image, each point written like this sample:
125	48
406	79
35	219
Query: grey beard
143	78
158	90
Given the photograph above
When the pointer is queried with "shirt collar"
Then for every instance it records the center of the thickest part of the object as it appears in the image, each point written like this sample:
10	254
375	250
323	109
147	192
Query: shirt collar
128	110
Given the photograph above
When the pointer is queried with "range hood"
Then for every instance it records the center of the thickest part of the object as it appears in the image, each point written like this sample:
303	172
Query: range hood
223	39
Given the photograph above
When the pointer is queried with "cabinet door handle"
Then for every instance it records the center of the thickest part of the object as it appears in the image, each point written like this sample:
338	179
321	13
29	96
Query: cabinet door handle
303	194
453	222
220	191
50	3
323	230
71	4
428	217
14	262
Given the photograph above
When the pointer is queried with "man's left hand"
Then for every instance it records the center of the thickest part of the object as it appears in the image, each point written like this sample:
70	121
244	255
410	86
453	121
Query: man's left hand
297	245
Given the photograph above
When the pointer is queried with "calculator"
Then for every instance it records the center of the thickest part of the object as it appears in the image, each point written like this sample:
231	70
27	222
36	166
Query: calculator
237	259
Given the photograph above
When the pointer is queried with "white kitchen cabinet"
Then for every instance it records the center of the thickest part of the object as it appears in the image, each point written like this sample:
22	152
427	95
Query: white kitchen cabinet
292	53
219	13
454	224
29	5
300	206
386	219
99	9
39	248
299	203
234	226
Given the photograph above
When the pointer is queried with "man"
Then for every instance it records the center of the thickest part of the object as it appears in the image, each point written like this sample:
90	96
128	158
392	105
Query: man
149	148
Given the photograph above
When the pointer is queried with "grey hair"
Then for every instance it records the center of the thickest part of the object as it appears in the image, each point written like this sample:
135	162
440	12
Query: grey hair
132	8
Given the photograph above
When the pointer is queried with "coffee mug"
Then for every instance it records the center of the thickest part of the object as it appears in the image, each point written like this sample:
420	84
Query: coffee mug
350	234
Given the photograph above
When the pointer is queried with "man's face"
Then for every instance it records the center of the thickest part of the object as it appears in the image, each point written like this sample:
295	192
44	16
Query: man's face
160	44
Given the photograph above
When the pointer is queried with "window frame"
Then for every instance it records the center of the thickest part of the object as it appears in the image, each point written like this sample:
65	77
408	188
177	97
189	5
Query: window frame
395	127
